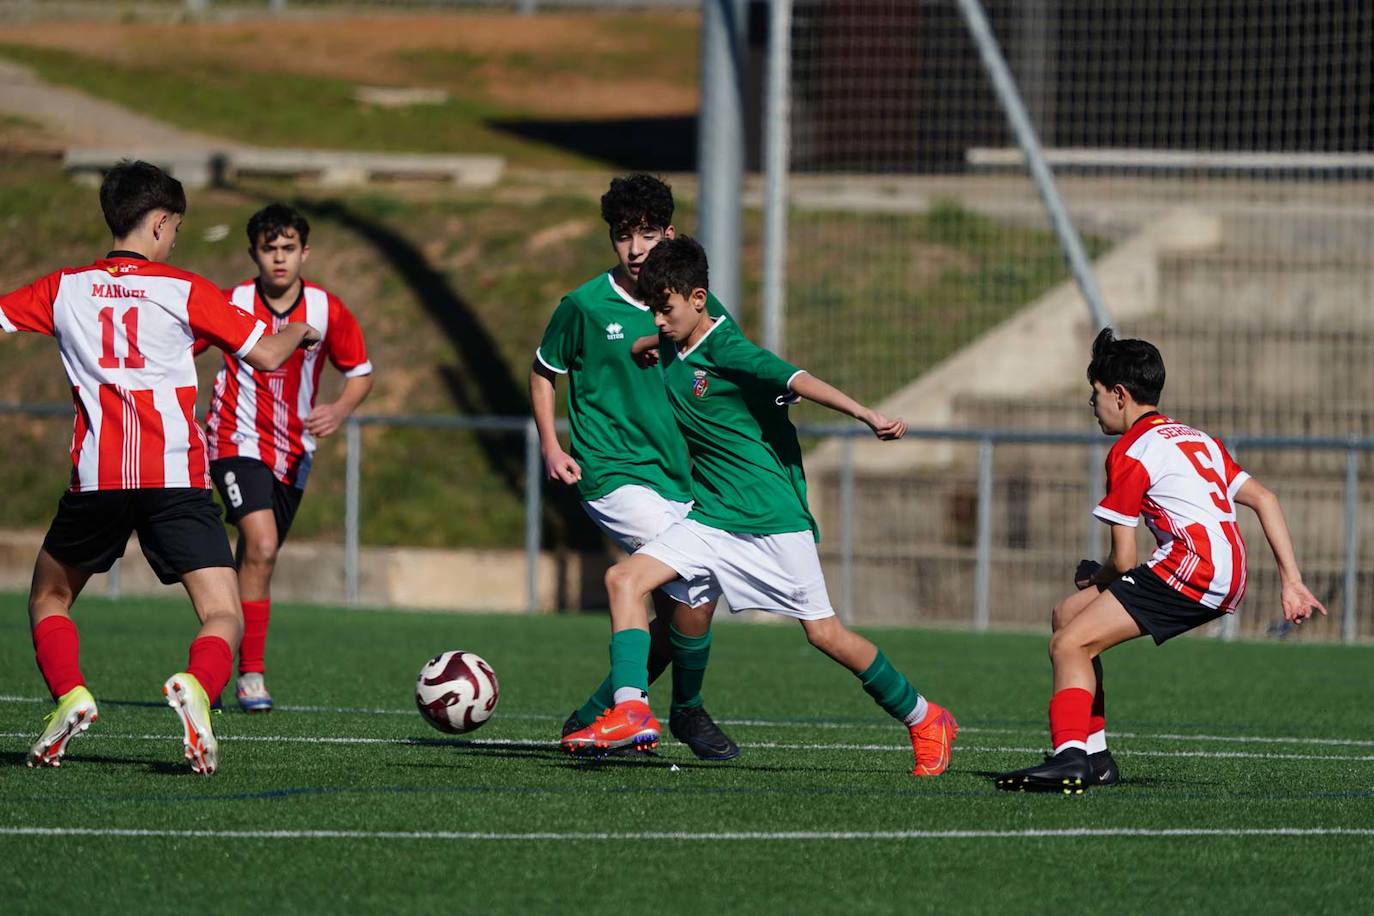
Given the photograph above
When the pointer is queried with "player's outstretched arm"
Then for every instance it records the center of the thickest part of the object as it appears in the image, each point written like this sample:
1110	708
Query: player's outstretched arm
1298	600
806	385
271	351
558	464
324	419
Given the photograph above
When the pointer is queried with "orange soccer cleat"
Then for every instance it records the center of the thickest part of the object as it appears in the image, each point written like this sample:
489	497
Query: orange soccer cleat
630	724
931	739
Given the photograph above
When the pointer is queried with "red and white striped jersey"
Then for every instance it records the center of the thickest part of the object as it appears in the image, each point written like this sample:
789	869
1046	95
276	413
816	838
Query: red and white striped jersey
125	327
1184	482
262	414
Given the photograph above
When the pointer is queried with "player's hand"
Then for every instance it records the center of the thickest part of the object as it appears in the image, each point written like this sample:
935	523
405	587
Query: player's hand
1083	576
325	419
310	339
560	466
884	428
1299	602
645	352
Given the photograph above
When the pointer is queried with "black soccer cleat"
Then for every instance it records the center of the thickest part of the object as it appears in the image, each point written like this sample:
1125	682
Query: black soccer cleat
695	728
1105	772
572	724
1069	772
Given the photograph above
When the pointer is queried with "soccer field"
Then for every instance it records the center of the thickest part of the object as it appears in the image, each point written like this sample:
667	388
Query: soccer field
1249	780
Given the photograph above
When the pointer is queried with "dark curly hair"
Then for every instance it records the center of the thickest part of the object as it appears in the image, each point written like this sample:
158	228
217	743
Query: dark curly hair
676	265
1131	363
637	200
133	189
274	219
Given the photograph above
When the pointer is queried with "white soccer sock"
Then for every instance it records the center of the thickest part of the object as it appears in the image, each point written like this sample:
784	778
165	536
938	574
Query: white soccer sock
1097	742
626	694
1067	745
918	713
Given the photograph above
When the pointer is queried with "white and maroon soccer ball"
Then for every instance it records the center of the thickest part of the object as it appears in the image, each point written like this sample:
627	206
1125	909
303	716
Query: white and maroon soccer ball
457	691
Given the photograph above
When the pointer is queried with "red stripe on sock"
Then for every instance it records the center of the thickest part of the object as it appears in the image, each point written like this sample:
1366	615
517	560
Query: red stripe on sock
1070	711
1097	721
255	617
211	662
57	648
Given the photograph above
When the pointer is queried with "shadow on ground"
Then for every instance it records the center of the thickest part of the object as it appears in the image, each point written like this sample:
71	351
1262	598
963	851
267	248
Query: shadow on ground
652	144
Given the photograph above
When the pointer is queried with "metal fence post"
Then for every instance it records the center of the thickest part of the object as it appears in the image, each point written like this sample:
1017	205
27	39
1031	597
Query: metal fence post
720	145
534	512
1009	97
1349	628
777	140
353	459
982	566
114	586
847	529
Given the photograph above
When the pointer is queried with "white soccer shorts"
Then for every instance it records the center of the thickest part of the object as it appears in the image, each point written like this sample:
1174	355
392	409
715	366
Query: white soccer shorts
633	516
778	573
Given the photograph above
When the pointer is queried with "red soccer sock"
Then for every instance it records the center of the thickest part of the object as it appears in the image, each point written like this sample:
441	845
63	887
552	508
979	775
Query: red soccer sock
211	663
254	646
1070	711
57	647
1097	720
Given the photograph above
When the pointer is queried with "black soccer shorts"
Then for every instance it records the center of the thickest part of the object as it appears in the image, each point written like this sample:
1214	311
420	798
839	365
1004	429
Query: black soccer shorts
178	529
1161	611
248	485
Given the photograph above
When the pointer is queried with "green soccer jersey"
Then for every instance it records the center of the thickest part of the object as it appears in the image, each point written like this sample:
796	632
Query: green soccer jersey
623	430
727	394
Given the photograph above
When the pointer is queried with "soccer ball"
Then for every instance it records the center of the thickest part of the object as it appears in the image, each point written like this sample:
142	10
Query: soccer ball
457	691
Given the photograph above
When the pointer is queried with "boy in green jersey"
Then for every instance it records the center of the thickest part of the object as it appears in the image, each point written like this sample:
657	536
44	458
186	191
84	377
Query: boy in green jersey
750	534
628	460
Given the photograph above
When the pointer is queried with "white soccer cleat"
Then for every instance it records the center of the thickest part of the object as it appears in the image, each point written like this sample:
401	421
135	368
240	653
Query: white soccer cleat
74	714
252	693
187	697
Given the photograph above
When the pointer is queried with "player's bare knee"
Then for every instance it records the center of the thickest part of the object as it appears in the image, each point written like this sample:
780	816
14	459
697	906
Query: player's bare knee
621	581
825	634
260	552
1064	645
1059	616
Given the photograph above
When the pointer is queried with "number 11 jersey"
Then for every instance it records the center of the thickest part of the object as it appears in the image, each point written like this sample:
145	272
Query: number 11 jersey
1184	482
124	327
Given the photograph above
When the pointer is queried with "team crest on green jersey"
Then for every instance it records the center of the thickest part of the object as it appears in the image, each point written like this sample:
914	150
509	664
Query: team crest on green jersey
699	383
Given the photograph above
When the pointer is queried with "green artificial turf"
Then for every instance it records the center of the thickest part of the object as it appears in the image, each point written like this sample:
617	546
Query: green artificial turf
1222	737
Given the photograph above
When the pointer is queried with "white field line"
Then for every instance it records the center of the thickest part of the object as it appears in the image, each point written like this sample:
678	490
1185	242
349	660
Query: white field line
785	723
1067	833
764	745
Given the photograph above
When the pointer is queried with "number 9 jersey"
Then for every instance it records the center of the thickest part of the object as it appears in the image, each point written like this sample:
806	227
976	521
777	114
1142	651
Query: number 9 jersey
124	327
1184	482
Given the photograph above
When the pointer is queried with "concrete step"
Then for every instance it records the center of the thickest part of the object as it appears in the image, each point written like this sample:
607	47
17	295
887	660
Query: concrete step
1247	288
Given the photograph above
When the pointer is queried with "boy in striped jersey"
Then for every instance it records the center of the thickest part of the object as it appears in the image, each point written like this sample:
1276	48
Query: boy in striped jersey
263	425
1187	486
125	327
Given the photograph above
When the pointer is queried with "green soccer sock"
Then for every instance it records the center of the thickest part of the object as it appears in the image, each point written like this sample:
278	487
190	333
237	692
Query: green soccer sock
889	688
630	661
690	655
604	696
600	701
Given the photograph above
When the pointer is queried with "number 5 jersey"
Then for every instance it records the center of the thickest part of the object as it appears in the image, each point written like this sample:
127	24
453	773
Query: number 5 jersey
125	328
1184	482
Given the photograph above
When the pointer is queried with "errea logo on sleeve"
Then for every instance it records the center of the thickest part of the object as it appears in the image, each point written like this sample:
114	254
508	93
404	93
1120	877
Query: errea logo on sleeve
614	331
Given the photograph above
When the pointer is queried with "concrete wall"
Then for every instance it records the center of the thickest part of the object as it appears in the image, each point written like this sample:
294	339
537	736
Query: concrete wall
423	579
